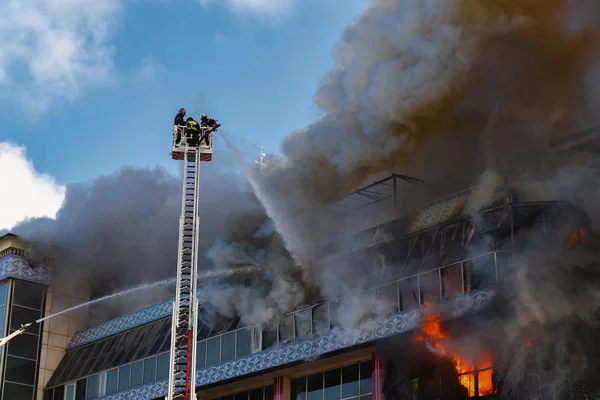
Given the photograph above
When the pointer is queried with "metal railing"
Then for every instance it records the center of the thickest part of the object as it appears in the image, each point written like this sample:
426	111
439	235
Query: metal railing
401	294
177	129
432	285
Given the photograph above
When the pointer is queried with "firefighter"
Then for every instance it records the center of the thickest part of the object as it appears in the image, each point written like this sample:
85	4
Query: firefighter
209	123
193	128
177	122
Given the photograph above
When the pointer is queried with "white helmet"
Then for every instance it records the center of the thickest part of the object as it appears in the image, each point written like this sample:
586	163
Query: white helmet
202	116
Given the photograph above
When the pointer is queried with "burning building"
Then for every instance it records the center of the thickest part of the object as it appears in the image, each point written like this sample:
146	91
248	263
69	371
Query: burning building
437	318
488	292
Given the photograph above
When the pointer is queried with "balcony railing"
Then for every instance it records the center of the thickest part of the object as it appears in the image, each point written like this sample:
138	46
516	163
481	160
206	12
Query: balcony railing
403	294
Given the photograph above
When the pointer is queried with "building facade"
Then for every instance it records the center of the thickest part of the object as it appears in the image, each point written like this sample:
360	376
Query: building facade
427	257
305	355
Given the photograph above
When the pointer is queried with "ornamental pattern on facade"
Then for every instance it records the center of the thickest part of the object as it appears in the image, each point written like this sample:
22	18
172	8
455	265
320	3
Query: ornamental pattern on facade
14	266
297	351
129	321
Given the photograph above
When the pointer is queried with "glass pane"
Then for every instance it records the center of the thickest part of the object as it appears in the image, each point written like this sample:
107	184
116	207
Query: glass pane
365	377
28	295
21	316
166	345
228	347
298	388
269	392
243	343
286	329
303	321
80	389
315	387
201	354
2	315
14	391
366	397
59	392
213	350
149	339
3	293
256	394
92	387
19	370
133	345
70	392
149	370
333	389
350	381
162	366
203	332
124	377
49	394
25	346
111	381
137	370
241	396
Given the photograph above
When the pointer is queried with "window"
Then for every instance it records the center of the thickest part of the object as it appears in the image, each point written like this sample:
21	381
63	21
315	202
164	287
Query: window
124	377
149	370
477	378
70	391
350	382
256	340
92	387
213	350
115	351
228	347
112	381
137	373
102	384
265	393
201	354
162	366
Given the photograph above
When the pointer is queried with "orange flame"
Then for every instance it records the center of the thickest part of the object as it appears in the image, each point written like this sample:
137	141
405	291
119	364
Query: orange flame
431	333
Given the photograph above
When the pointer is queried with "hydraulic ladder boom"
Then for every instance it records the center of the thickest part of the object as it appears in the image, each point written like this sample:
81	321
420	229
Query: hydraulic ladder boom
182	385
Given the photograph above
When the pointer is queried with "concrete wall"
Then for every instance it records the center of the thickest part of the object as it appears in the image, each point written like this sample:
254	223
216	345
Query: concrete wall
59	330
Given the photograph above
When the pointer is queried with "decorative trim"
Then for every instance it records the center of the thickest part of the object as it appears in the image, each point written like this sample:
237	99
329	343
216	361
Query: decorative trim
128	321
309	348
17	267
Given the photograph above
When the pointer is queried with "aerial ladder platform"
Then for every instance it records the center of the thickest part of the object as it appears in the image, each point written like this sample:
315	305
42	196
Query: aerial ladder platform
182	385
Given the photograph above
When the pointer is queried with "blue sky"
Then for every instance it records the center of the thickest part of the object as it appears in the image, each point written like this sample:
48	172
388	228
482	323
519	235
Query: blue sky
91	86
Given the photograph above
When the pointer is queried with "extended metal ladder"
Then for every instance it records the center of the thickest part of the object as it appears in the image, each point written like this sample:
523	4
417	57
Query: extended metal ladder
182	375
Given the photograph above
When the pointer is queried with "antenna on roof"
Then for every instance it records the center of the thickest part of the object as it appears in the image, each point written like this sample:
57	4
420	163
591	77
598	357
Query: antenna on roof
262	162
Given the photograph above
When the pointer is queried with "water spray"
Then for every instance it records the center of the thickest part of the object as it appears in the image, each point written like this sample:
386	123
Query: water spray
209	274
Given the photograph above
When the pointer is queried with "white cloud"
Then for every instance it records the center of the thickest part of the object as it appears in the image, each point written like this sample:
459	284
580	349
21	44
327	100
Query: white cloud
53	48
27	193
271	8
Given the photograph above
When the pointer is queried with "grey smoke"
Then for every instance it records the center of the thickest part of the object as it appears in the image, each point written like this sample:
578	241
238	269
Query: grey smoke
121	229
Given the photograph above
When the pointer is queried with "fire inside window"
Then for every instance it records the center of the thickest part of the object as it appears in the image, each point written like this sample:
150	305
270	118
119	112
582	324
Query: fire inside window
477	378
578	236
